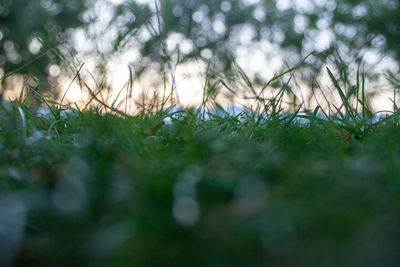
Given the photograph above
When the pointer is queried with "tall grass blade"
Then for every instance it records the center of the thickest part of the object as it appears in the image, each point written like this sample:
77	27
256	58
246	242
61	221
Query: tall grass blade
70	84
343	97
46	103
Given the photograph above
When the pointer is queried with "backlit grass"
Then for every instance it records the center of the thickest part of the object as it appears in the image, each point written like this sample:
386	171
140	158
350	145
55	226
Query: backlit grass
201	187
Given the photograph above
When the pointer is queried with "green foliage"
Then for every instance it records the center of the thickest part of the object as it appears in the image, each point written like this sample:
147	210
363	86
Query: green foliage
206	188
373	24
351	27
44	24
97	186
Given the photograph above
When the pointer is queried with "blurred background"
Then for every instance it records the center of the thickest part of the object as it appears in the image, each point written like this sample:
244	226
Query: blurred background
45	43
98	190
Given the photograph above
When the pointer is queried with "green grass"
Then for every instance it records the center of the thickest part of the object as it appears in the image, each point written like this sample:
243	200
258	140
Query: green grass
98	187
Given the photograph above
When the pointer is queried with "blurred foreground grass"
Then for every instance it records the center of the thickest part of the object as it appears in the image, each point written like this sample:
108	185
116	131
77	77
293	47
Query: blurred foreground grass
188	187
90	189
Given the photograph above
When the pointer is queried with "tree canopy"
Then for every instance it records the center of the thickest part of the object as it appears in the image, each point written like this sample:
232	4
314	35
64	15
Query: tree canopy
25	26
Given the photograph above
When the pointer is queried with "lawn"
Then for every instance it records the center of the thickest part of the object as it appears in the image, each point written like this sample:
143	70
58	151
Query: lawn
191	187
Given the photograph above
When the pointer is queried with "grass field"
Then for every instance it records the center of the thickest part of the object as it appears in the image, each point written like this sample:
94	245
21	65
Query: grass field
198	187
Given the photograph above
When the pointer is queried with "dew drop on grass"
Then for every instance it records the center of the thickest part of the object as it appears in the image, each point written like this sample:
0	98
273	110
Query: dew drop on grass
186	210
71	194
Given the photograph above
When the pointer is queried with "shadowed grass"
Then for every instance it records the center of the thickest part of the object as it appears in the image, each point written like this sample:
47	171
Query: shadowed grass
202	187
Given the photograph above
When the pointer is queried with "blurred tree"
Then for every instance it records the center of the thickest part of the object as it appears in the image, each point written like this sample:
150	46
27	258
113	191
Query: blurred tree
216	28
200	29
373	24
208	29
23	22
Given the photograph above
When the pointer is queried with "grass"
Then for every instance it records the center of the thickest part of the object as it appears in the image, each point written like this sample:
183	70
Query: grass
182	187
